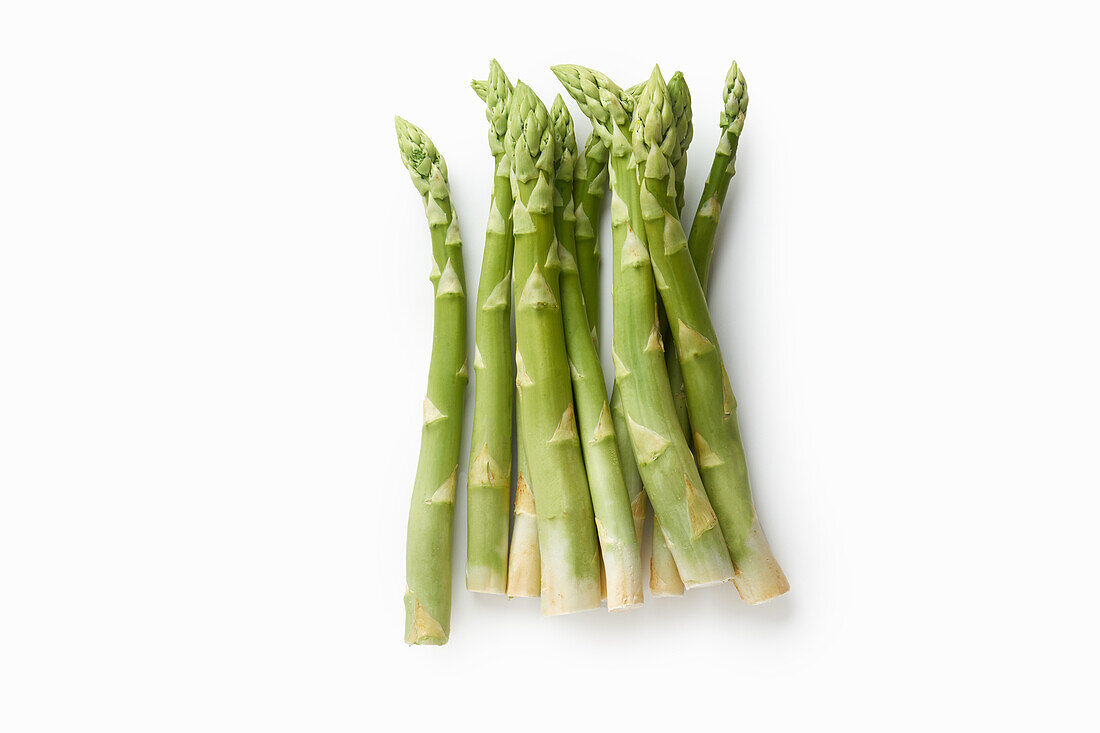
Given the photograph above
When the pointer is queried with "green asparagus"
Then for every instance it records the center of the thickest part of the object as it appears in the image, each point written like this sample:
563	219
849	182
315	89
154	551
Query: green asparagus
589	186
614	522
566	526
664	579
488	483
735	98
428	541
589	192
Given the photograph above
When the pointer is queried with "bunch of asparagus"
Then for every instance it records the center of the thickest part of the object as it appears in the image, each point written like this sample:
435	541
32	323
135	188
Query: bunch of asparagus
588	462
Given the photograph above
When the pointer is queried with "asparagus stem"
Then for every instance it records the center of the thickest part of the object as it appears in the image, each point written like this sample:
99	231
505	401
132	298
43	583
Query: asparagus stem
428	542
523	552
664	459
704	227
711	404
524	577
589	186
635	491
566	526
664	579
622	569
488	482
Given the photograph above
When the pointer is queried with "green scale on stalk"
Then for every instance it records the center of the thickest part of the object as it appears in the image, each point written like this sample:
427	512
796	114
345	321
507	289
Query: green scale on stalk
711	405
430	528
556	473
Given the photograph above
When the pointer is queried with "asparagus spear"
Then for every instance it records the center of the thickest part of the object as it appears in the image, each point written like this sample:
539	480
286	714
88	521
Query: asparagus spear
735	97
589	193
672	481
711	403
589	185
680	96
664	579
566	526
634	488
610	502
428	543
488	483
523	552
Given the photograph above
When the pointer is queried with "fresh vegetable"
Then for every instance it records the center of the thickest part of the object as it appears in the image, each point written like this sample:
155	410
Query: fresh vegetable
524	571
611	503
704	228
489	481
587	464
711	404
428	544
589	187
566	525
664	579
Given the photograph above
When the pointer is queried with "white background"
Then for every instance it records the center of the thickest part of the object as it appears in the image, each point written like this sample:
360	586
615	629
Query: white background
215	325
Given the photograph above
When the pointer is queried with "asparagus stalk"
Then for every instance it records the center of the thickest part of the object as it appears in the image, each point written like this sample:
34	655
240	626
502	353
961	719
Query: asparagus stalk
488	483
711	404
566	526
635	490
610	502
523	552
524	577
704	227
588	218
664	579
589	185
668	470
428	542
680	96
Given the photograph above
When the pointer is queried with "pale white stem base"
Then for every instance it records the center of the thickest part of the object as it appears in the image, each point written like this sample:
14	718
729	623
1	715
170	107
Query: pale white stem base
664	578
757	575
524	576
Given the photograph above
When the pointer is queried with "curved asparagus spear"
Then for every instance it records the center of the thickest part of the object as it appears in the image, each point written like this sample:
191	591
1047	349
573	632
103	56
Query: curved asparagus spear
428	542
664	579
711	404
672	481
488	483
566	526
735	97
610	502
